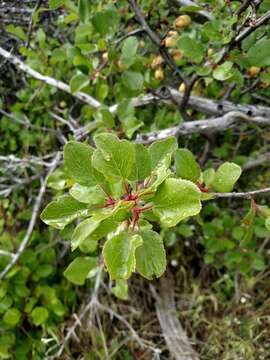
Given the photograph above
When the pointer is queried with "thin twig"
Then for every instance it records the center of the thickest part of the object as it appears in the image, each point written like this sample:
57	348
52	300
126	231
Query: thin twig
33	220
244	195
49	80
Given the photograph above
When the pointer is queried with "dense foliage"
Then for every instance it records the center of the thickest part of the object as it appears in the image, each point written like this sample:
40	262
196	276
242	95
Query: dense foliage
147	122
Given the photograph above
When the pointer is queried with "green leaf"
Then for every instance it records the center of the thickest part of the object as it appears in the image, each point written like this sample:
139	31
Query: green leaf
78	270
12	317
54	4
142	168
39	315
106	22
120	289
105	116
129	49
133	80
78	82
259	53
114	158
208	177
77	163
16	30
62	211
226	176
151	256
130	125
223	71
83	231
161	151
176	200
84	10
90	195
267	223
192	49
119	212
119	255
186	165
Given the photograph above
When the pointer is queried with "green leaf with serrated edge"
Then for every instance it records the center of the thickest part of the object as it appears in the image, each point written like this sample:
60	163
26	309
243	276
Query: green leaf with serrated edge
226	176
208	177
39	315
77	163
186	166
119	255
151	256
114	158
78	82
82	231
142	167
78	270
120	290
92	195
176	200
162	150
62	211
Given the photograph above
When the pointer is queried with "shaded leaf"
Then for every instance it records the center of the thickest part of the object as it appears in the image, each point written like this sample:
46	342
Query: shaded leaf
119	255
151	256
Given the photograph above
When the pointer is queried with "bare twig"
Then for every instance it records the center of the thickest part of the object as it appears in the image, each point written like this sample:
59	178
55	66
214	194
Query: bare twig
205	105
33	220
30	26
261	159
244	195
49	80
221	123
92	303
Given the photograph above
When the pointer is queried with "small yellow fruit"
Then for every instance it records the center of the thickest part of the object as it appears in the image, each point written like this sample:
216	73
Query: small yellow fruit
182	87
105	56
170	41
172	33
182	21
159	74
141	44
157	61
210	52
62	104
253	71
177	54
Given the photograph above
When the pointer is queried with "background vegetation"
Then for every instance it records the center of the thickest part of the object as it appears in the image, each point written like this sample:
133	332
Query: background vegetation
143	70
